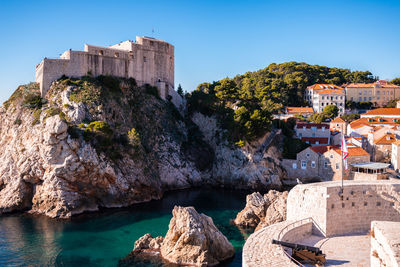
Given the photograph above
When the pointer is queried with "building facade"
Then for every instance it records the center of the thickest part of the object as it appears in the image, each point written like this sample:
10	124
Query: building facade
321	95
147	60
380	92
313	133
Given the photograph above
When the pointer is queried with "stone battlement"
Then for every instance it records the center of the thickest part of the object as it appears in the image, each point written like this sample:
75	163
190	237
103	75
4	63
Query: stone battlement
362	202
147	60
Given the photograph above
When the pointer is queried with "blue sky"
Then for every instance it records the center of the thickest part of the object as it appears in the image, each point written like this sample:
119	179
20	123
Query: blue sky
212	39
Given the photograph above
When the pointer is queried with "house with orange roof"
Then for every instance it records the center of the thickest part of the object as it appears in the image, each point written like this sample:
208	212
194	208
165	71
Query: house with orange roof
323	162
381	150
395	157
291	112
338	124
389	113
321	95
380	92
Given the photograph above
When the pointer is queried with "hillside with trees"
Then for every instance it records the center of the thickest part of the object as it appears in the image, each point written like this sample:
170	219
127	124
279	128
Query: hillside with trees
245	103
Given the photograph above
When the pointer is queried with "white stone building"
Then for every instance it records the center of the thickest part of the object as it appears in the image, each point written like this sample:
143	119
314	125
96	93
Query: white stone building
321	95
147	60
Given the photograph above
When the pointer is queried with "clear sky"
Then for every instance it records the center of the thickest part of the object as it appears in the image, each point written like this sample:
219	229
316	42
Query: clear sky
212	39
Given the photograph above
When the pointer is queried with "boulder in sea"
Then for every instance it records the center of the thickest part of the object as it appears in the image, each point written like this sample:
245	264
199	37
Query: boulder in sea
262	210
192	239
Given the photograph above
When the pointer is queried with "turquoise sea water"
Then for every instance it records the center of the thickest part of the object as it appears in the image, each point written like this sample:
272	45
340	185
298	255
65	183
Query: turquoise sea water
103	238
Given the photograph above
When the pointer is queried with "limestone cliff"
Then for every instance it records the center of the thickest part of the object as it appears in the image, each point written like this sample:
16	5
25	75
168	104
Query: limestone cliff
105	142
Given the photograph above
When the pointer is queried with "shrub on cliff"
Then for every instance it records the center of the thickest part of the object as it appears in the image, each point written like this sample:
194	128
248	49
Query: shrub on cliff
134	138
100	127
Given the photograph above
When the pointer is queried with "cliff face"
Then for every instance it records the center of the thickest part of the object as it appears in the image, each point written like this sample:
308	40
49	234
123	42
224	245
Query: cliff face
105	142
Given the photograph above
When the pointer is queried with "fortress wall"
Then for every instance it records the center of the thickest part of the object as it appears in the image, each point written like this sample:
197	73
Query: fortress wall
363	202
385	238
306	201
298	233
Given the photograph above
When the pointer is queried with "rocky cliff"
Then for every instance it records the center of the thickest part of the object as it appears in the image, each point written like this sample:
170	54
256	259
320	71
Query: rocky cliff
105	142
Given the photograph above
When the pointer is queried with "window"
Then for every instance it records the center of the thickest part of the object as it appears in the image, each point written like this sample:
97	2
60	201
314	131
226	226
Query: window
351	98
365	98
144	59
360	98
378	92
308	155
370	92
304	164
341	97
391	92
300	135
383	92
325	164
322	98
331	156
314	128
378	97
337	166
323	128
294	166
365	92
312	164
151	43
313	134
369	98
322	104
317	142
101	52
116	54
360	93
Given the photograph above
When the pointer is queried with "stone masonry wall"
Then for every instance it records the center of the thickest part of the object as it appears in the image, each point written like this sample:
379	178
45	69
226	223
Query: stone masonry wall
363	202
385	241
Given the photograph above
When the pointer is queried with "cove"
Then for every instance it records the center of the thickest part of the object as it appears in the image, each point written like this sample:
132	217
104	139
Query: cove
103	238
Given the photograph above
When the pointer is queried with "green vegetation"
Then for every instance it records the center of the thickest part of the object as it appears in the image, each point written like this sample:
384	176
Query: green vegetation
152	90
36	116
134	137
391	104
350	117
52	111
100	127
331	111
359	105
180	90
318	117
27	95
18	122
395	81
245	104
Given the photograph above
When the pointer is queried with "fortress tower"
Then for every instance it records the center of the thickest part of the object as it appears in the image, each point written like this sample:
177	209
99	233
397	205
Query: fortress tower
147	60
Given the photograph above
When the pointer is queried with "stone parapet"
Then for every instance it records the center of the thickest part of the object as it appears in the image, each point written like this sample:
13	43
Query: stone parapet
362	202
385	242
259	250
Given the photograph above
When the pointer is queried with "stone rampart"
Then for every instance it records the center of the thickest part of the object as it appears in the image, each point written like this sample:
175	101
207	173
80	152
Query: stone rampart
259	250
148	61
385	241
362	202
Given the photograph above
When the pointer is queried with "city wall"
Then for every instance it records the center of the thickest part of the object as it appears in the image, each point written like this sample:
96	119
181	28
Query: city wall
385	240
362	202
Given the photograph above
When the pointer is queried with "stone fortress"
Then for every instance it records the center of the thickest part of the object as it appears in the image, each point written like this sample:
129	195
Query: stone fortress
361	227
147	60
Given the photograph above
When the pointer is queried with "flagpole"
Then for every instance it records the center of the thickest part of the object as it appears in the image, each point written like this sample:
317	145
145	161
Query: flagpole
342	161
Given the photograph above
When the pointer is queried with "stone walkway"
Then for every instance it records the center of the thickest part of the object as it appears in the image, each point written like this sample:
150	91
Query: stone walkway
343	251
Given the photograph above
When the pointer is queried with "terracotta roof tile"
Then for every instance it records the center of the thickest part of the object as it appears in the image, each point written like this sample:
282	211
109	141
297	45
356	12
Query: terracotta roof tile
338	120
299	110
353	151
330	92
321	149
381	83
383	111
387	139
324	86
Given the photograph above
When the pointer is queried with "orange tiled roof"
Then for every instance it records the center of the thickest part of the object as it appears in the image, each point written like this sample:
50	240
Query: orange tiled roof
330	92
338	120
387	139
353	151
299	110
397	142
381	83
321	149
371	121
324	86
383	111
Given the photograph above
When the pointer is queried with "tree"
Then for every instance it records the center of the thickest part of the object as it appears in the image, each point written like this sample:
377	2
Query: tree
350	117
395	81
180	90
317	117
331	111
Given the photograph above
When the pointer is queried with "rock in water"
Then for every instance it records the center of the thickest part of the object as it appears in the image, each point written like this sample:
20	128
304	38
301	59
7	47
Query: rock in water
262	210
192	238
